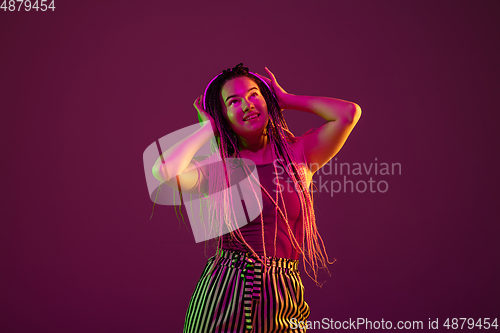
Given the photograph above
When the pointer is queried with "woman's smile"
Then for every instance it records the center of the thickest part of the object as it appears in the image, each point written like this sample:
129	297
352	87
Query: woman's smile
251	117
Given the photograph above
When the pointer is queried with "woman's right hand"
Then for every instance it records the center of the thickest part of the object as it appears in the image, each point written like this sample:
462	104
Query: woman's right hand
203	115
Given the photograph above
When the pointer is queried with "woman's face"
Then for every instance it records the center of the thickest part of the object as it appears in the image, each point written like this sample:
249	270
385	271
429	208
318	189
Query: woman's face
244	107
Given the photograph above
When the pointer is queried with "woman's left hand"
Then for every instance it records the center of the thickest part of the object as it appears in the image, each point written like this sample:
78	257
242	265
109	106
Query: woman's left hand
280	93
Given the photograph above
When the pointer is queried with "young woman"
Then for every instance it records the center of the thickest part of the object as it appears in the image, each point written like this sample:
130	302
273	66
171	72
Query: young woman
252	284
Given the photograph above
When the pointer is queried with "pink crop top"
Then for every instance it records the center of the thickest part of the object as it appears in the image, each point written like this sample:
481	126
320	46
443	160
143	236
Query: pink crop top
252	232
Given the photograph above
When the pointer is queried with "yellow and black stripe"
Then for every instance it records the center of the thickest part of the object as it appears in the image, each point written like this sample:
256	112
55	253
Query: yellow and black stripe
238	296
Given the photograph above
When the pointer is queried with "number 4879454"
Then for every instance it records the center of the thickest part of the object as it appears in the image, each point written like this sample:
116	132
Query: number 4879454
10	5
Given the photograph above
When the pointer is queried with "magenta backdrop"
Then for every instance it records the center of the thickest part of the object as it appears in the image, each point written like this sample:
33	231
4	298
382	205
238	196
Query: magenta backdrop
86	88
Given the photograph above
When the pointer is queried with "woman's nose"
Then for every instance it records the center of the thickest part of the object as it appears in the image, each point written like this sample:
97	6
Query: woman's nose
246	105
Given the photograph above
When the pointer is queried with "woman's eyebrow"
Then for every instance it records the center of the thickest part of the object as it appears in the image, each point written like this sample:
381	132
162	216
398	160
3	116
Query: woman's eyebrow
228	97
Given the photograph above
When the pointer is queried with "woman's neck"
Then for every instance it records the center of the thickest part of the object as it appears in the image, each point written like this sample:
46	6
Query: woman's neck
257	149
253	144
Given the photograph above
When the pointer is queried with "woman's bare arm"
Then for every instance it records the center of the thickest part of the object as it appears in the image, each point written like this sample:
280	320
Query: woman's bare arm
177	160
341	117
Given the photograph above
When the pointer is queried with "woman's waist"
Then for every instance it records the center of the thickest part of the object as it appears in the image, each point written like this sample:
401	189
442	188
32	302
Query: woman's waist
235	258
273	243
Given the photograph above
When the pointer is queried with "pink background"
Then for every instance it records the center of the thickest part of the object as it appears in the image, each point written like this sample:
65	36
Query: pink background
86	88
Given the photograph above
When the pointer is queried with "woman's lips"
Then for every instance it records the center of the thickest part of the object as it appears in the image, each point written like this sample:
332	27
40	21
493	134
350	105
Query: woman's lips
250	117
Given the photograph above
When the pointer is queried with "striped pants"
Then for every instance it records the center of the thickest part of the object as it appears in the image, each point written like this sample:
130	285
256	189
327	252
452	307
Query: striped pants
237	296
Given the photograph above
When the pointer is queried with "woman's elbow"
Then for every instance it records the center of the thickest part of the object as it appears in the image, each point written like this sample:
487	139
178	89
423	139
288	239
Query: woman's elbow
353	114
159	172
356	113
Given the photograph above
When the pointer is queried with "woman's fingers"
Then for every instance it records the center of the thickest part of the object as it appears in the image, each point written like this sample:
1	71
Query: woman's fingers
198	103
263	78
204	115
273	78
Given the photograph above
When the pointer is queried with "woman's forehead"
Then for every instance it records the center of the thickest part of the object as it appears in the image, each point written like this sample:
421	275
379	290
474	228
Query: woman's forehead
238	86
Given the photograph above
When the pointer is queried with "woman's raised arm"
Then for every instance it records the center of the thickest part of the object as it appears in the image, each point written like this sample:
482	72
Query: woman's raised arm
341	116
177	160
323	144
